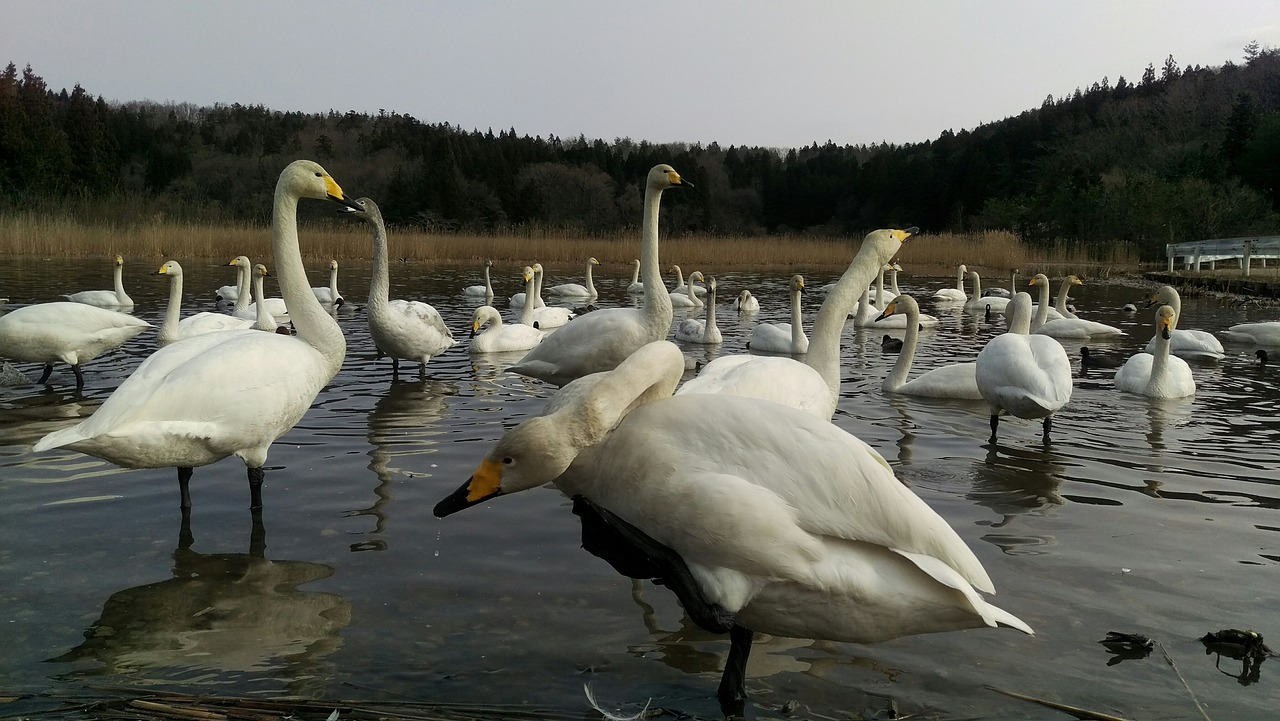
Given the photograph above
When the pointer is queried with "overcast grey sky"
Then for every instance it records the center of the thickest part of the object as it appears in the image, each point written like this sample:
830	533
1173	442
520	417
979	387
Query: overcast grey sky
771	73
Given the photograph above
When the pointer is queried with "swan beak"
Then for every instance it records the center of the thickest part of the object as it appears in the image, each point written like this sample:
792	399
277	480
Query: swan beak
162	271
888	311
484	484
1164	329
676	181
902	235
335	194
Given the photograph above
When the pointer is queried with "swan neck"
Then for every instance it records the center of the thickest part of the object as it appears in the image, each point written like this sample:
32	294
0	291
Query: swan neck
380	283
828	325
635	274
172	313
711	310
333	282
797	327
977	286
647	375
1061	303
314	326
960	279
657	303
1042	308
242	287
118	277
530	293
488	287
902	367
591	285
264	319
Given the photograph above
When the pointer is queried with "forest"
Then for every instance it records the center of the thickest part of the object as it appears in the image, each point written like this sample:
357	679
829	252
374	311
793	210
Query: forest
1179	154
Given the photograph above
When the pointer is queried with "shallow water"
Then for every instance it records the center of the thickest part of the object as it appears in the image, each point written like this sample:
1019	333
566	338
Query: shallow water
1157	518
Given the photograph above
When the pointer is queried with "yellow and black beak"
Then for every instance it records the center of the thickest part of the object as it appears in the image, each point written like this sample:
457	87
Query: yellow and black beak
1166	328
484	484
902	235
888	311
335	194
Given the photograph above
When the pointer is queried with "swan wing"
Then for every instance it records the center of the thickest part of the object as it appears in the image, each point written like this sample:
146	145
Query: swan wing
958	380
781	380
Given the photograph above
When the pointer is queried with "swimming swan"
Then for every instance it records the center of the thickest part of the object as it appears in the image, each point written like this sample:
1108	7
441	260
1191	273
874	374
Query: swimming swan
956	294
403	329
980	304
704	331
811	385
1266	333
1193	344
958	380
500	337
64	332
600	340
687	296
746	303
1073	327
792	528
783	337
518	300
175	328
1159	374
681	287
863	318
233	293
330	295
230	393
636	287
1027	376
481	291
106	298
576	290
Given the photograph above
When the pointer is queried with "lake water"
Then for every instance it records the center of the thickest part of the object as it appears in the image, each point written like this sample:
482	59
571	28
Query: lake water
1158	518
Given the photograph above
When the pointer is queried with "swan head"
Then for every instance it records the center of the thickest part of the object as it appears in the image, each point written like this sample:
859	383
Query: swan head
1166	321
1074	280
1039	279
797	283
1166	295
488	263
261	271
711	284
170	268
663	176
592	261
902	304
363	209
696	276
306	179
527	275
527	456
240	261
333	265
119	260
482	316
888	241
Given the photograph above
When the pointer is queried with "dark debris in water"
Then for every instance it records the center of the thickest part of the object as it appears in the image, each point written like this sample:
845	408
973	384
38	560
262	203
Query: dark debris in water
1244	646
1127	646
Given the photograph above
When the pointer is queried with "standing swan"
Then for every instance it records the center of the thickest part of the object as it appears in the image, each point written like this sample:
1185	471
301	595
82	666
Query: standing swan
783	337
64	332
1158	375
173	329
958	380
106	298
574	289
230	393
792	527
403	329
1192	344
600	340
1028	376
330	295
481	291
695	330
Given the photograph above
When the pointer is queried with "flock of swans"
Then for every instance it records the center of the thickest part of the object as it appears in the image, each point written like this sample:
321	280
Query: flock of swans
793	527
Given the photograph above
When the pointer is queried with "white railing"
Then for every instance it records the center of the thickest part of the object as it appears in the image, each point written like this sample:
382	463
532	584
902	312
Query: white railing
1242	250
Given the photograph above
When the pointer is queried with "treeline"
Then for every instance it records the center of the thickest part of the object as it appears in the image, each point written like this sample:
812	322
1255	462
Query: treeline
1181	154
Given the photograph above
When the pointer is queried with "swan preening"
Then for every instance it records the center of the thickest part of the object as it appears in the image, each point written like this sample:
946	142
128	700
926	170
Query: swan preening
793	527
746	303
215	395
1024	375
64	332
704	331
600	340
958	380
403	329
783	337
116	298
1158	374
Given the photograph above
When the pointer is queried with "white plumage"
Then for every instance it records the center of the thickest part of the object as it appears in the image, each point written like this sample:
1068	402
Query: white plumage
499	337
1158	374
64	332
957	380
111	299
577	290
481	291
783	337
956	294
746	303
700	330
1192	344
1027	376
329	295
175	328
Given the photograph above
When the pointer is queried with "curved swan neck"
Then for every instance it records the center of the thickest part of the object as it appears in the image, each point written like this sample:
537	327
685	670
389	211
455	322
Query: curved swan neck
977	284
121	296
824	343
893	283
488	287
880	288
960	271
591	285
530	293
264	319
1061	304
314	326
902	367
380	283
649	374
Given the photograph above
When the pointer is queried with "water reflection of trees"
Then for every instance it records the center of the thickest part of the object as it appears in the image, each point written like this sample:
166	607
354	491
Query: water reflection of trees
222	612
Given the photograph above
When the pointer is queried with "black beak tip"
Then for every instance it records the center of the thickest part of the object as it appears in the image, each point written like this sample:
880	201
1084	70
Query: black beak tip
349	206
912	230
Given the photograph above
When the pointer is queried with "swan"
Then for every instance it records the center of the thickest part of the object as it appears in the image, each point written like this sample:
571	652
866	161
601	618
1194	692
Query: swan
783	337
956	294
1005	292
978	303
864	319
64	332
481	291
230	393
1266	333
1090	358
811	385
500	337
958	380
687	296
600	340
1027	376
407	330
1190	344
1073	327
574	289
636	287
1159	374
1042	312
546	317
246	305
330	295
517	300
680	284
697	330
746	303
894	269
793	527
263	320
1060	303
106	298
173	329
233	293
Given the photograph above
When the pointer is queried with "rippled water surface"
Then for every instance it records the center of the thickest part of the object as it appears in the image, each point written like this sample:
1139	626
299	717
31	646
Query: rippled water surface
1157	518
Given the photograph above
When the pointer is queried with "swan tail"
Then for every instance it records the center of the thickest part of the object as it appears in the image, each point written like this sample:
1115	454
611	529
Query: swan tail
58	439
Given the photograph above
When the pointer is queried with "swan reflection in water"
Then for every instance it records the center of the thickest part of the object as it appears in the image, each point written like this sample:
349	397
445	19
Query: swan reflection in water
222	613
404	423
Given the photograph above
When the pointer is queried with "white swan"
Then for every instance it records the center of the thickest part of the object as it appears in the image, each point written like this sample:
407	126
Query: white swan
546	317
1159	374
1060	303
792	527
863	318
687	296
956	294
600	340
958	380
894	269
229	393
1027	376
811	385
746	303
681	287
1006	292
106	298
407	330
330	295
246	305
1266	333
1192	344
263	320
481	291
233	293
979	304
1074	327
500	337
636	287
64	332
577	290
783	337
174	329
704	331
518	300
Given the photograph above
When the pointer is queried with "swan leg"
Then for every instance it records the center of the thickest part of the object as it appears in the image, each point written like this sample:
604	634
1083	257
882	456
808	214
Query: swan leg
1048	425
732	693
79	375
395	367
184	487
995	421
44	377
255	488
185	537
634	554
257	535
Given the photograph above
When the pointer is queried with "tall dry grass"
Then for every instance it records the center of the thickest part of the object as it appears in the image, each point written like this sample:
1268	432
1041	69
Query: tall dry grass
31	235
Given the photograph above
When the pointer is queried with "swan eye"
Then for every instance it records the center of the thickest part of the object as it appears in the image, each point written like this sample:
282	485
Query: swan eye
319	175
508	461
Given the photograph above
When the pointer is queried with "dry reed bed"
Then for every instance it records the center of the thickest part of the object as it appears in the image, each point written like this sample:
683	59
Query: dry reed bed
29	235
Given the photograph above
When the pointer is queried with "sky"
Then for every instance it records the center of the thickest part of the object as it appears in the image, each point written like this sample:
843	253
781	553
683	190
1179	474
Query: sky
758	73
